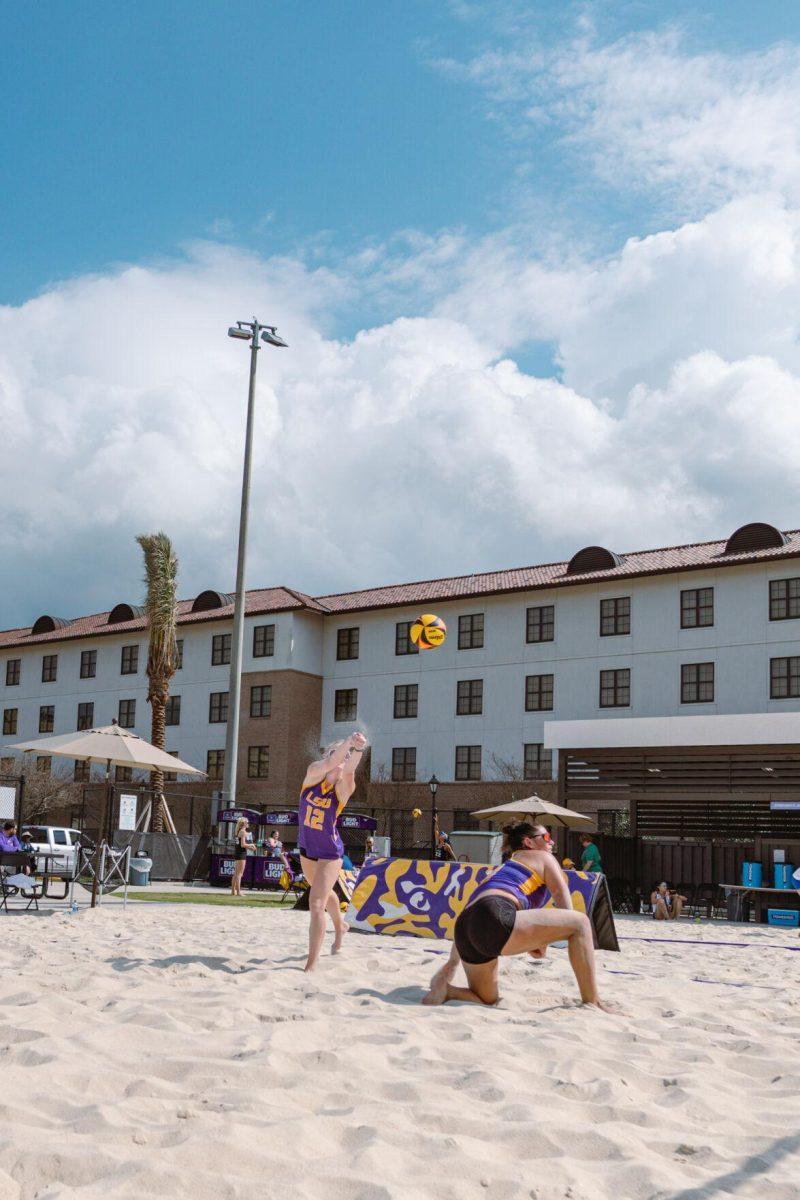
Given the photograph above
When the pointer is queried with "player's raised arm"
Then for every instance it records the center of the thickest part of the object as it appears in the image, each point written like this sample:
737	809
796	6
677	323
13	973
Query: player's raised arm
334	757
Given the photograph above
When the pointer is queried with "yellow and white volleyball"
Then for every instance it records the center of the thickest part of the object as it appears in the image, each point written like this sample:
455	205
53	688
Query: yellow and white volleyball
428	631
416	813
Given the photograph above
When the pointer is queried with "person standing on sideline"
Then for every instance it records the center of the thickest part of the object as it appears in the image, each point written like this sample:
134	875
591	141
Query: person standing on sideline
590	855
244	842
328	785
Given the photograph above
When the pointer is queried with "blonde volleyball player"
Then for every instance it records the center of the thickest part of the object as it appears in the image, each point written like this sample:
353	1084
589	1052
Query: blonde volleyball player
505	916
328	785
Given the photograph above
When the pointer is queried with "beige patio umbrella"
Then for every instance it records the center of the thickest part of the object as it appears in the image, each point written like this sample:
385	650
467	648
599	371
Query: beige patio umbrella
543	811
109	744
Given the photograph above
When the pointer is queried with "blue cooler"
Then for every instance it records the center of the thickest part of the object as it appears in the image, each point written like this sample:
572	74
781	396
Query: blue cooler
783	876
751	874
789	918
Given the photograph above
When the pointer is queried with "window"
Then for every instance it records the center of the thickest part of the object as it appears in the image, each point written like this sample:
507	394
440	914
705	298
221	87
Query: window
81	771
404	764
85	715
220	649
179	660
130	660
49	668
538	761
258	762
47	717
43	764
172	711
261	701
171	776
784	678
540	625
615	688
784	599
217	707
402	638
469	697
9	720
127	714
697	608
123	774
88	664
538	693
263	641
470	632
13	668
345	704
468	762
463	819
697	683
615	616
405	700
215	764
347	643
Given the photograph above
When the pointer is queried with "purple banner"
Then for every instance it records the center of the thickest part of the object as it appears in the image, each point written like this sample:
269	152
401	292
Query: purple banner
423	898
233	814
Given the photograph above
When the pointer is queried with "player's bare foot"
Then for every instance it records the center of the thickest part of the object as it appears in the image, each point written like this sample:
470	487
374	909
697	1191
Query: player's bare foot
438	988
339	937
606	1007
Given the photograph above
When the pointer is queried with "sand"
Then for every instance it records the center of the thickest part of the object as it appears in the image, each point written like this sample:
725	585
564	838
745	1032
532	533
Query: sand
180	1052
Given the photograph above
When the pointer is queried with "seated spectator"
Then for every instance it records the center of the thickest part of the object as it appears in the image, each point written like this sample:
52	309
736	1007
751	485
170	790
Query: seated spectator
275	848
9	842
667	905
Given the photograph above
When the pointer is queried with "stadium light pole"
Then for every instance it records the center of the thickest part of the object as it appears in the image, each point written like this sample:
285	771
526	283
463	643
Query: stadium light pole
252	332
433	784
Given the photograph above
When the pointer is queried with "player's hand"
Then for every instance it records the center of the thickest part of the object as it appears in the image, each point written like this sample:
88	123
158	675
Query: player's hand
358	741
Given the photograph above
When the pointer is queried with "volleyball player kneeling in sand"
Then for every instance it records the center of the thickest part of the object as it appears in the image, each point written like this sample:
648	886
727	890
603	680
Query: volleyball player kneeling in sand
328	785
505	916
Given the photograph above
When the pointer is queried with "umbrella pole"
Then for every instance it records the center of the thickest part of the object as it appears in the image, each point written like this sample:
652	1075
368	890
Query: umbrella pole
100	855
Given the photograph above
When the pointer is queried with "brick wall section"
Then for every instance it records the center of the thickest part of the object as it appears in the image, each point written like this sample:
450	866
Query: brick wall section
383	797
292	733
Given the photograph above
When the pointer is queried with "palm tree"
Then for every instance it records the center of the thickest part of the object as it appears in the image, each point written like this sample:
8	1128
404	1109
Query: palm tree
161	607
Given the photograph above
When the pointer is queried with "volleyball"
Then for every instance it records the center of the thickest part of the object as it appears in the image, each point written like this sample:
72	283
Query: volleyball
428	631
416	813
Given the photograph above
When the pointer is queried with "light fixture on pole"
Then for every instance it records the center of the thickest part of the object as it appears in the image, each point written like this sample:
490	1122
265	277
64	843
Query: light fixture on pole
433	784
252	332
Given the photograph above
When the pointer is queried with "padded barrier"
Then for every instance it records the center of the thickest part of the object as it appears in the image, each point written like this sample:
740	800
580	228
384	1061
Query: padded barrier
420	898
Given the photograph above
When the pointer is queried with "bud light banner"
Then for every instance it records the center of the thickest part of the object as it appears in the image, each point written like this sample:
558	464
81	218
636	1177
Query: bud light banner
357	821
278	818
423	898
233	814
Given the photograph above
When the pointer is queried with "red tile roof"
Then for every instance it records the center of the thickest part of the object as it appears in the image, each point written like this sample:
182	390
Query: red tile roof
698	556
261	600
550	575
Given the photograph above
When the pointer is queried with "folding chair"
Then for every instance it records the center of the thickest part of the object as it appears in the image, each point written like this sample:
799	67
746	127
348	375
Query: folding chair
30	892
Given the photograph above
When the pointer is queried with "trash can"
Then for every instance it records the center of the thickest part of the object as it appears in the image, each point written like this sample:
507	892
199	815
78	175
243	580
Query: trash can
140	868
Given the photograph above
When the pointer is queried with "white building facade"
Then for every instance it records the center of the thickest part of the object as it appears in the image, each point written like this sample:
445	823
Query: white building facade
690	631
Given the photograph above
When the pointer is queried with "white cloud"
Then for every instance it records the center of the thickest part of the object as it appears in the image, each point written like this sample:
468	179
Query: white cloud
646	112
407	451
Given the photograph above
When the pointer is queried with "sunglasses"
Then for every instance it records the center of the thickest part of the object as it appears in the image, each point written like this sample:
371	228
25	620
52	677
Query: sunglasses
544	835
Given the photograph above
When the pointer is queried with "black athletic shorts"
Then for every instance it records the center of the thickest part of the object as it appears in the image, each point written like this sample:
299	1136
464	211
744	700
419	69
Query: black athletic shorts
483	928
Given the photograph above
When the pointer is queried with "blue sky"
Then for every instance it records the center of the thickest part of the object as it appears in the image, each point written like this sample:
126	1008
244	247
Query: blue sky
131	129
538	265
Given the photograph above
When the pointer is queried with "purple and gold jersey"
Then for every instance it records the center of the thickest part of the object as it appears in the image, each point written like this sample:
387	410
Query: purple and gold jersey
319	811
523	883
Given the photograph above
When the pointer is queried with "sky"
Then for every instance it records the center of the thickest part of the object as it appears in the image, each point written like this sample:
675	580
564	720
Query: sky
538	265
